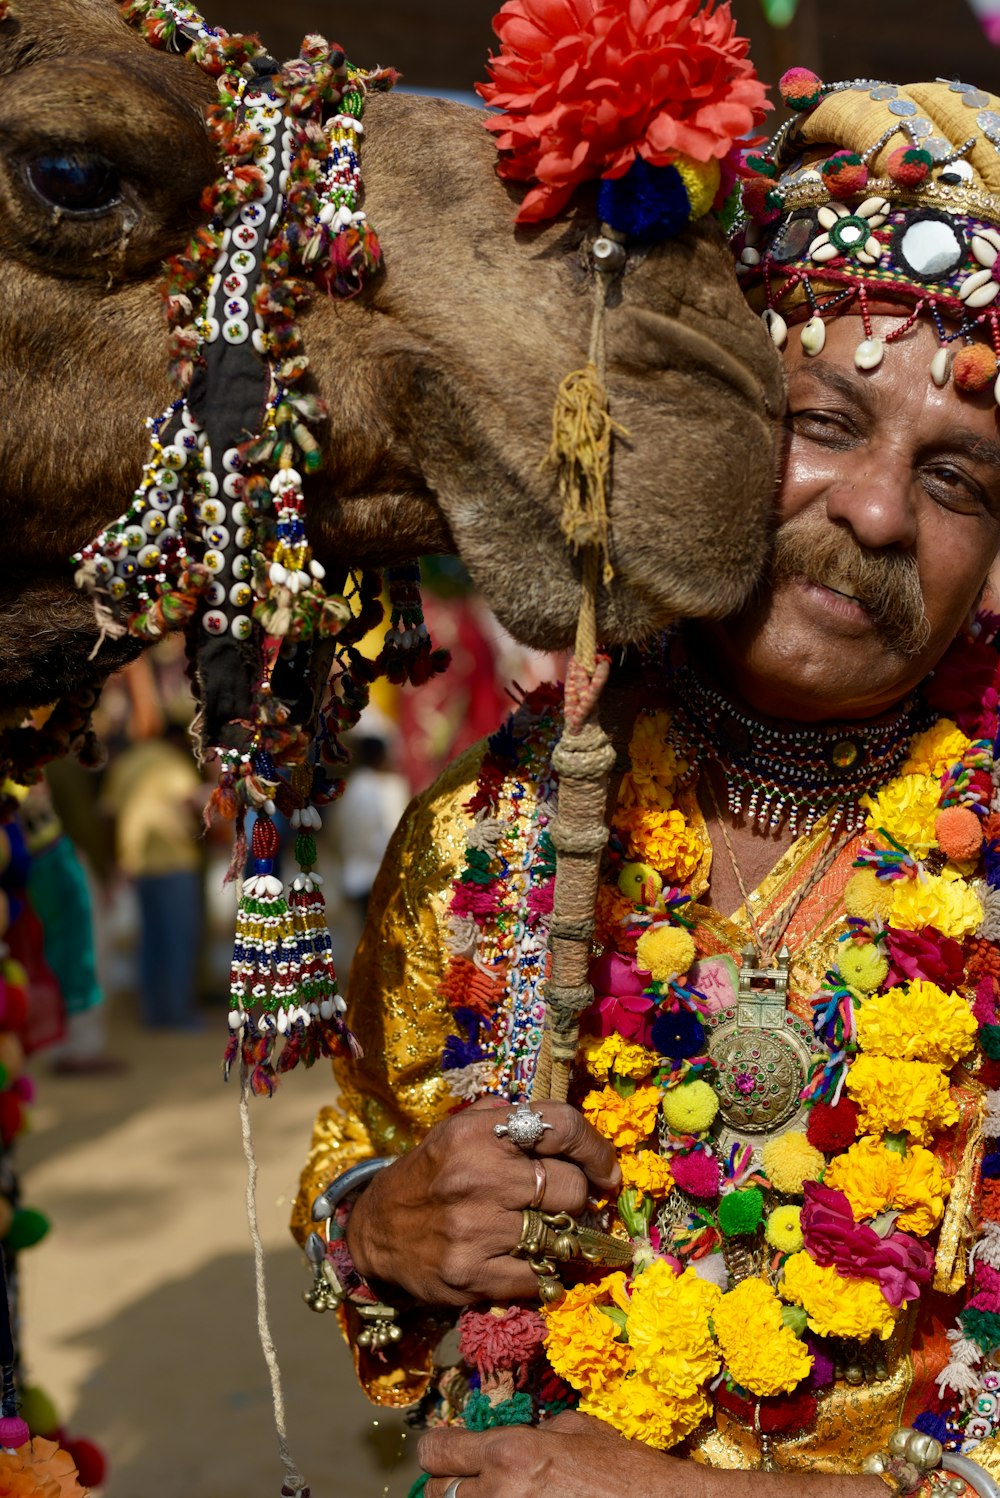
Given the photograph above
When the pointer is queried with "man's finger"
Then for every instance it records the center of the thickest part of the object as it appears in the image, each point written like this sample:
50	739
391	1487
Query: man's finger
452	1453
573	1138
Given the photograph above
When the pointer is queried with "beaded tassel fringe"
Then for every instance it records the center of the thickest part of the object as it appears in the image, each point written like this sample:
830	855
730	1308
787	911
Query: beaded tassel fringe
285	1007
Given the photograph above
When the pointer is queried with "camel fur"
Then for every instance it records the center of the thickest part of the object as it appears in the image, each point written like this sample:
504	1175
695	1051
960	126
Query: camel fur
440	378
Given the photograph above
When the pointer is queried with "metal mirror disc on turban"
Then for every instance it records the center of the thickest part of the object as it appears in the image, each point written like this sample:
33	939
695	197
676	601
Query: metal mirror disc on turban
931	247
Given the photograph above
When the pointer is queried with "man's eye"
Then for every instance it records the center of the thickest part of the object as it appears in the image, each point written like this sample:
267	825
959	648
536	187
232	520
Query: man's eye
76	184
953	487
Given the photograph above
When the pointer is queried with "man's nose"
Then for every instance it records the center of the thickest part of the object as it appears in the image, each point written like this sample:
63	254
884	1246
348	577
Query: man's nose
876	501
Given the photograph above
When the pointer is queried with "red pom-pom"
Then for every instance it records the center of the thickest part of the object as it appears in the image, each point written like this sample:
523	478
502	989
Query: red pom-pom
833	1127
760	201
959	833
14	1432
845	174
11	1116
974	367
800	88
13	1006
91	1463
909	165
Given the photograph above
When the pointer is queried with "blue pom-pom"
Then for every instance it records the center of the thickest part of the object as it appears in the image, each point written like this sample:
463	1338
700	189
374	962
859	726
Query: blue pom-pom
678	1035
649	202
931	1424
991	1166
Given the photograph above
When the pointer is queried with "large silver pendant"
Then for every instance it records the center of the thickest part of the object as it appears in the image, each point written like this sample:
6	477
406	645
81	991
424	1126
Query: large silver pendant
763	1055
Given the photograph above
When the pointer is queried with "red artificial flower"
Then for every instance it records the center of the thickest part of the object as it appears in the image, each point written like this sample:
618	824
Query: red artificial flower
962	686
586	86
899	1262
923	954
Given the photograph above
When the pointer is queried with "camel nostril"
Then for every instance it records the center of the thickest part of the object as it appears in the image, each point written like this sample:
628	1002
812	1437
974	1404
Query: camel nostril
75	183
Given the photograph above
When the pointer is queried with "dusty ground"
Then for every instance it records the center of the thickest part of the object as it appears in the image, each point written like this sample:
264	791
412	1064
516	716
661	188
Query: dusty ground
139	1308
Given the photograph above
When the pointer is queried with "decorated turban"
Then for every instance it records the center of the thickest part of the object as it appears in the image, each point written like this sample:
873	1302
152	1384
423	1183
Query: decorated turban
874	193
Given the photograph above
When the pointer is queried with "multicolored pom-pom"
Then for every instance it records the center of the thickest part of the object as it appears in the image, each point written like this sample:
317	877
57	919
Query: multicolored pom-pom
909	166
845	174
974	367
760	201
800	88
762	165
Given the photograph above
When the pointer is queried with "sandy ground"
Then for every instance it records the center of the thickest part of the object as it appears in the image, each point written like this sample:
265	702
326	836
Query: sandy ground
139	1308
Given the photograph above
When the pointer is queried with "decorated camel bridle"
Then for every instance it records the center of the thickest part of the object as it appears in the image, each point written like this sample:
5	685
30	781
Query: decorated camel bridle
214	540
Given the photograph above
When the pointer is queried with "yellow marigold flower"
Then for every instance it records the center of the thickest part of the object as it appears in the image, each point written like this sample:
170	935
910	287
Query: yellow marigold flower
918	1023
862	966
783	1229
656	768
663	838
690	1108
640	1412
626	1121
936	750
580	1343
898	1097
615	1053
669	1331
867	896
920	1192
789	1160
906	809
648	1172
835	1306
876	1179
665	951
944	901
761	1352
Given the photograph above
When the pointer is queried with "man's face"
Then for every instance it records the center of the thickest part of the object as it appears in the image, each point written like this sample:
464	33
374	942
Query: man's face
889	507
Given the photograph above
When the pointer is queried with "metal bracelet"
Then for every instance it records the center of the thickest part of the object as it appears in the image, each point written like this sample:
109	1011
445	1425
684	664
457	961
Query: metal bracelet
983	1482
327	1293
347	1184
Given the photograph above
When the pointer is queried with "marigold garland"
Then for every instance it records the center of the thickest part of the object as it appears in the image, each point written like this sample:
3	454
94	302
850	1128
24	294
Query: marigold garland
915	980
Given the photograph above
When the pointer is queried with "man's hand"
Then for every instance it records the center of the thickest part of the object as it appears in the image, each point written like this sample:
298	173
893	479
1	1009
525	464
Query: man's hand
441	1221
571	1456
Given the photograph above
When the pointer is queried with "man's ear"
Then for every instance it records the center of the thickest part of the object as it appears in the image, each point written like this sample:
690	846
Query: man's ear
989	593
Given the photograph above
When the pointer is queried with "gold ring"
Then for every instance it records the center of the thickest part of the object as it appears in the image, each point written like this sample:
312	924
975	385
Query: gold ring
541	1181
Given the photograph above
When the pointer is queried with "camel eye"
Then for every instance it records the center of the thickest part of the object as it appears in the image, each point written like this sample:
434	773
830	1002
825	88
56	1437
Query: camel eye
86	186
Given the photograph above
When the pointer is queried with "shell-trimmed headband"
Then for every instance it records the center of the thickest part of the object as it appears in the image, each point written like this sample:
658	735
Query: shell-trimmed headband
876	192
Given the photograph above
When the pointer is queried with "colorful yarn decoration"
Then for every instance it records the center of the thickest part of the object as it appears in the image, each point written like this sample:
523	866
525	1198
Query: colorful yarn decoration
974	368
910	166
800	89
845	174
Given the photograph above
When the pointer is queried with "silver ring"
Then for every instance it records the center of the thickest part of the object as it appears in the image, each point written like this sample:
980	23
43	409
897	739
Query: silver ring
524	1127
451	1491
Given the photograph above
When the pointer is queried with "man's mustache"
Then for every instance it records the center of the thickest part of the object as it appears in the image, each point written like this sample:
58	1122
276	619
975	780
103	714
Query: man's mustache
885	583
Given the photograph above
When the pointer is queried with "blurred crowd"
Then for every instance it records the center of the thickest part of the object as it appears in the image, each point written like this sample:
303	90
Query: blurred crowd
122	891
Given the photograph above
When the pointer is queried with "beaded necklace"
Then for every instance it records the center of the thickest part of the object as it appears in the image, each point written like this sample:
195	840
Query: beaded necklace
776	770
762	1259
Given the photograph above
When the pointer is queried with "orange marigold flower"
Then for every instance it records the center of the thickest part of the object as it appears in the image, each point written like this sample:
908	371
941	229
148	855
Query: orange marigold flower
626	1121
39	1470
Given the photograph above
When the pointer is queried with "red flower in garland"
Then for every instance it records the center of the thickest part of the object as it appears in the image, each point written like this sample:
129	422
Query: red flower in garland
586	86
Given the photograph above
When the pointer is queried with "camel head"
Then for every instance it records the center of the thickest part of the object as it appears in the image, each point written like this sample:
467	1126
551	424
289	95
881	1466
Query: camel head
439	379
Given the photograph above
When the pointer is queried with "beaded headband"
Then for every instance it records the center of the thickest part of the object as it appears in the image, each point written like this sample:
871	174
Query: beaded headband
874	192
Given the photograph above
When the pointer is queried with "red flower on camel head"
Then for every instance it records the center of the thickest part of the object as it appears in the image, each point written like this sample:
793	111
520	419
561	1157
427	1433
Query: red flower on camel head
654	99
